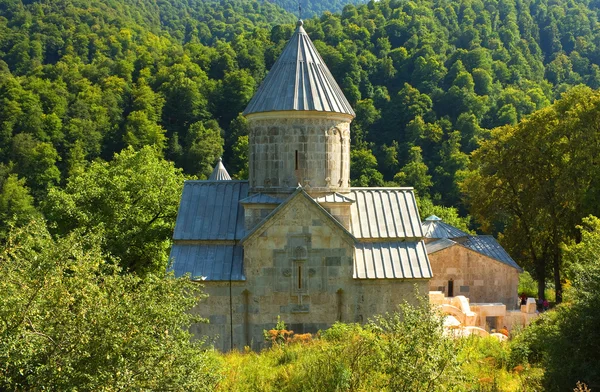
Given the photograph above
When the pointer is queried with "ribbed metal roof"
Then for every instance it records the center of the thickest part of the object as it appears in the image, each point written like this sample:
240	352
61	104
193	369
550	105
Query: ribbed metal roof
487	245
385	213
436	228
208	261
219	173
210	210
438	245
391	260
334	198
299	80
259	198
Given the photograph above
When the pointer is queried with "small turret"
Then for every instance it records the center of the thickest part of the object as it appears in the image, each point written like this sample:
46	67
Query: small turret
219	173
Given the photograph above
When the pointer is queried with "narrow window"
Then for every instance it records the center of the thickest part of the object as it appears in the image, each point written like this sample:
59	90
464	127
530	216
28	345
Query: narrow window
296	160
299	277
450	288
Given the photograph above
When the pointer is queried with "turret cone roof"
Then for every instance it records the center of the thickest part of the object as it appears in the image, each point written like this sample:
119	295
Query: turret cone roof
219	173
299	80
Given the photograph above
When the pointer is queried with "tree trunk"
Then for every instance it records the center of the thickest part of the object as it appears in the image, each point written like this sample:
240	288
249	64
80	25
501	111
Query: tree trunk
557	282
540	271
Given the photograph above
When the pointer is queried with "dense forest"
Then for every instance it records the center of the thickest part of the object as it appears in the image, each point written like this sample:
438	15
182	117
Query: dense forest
487	107
311	8
83	80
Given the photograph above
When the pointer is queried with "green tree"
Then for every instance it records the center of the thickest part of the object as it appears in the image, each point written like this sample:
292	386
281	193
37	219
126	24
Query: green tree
204	146
571	327
534	182
16	204
363	168
414	173
71	320
133	199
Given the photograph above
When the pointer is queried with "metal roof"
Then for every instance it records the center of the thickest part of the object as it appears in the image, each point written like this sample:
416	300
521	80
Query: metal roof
208	261
210	210
487	245
391	260
435	228
385	213
334	198
299	80
438	245
219	173
260	198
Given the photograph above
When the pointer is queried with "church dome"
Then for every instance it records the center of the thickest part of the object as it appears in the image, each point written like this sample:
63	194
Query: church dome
299	81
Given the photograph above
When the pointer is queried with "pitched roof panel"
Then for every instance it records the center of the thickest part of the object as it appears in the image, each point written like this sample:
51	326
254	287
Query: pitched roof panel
438	245
385	213
208	262
299	80
210	210
435	228
487	245
260	198
391	260
334	198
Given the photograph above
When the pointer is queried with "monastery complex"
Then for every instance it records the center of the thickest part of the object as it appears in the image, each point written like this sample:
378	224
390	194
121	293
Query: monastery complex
297	241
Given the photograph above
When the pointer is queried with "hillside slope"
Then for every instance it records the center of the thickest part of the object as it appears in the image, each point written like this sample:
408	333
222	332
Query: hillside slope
81	80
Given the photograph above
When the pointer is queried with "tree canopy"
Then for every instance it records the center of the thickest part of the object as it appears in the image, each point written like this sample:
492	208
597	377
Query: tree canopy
83	80
535	181
70	319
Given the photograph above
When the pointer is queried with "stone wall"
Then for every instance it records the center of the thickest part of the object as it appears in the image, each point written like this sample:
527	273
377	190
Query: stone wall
478	277
287	149
298	266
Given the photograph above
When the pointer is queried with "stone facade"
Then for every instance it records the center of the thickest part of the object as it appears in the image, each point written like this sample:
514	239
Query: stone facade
298	265
474	275
307	148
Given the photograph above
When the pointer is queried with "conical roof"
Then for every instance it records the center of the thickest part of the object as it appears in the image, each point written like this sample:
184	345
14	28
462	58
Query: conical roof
299	80
219	173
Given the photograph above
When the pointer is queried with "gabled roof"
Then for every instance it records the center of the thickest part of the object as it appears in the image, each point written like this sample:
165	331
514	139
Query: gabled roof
391	260
434	227
299	80
483	244
334	198
384	214
487	245
219	173
210	210
207	261
299	192
260	198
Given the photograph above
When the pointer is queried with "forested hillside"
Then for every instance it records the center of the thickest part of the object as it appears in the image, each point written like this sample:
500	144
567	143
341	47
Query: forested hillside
81	80
311	8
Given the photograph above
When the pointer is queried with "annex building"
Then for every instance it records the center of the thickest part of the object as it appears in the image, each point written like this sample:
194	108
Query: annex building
296	240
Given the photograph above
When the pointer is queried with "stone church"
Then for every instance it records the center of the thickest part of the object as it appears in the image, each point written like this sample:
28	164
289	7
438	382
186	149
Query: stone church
296	240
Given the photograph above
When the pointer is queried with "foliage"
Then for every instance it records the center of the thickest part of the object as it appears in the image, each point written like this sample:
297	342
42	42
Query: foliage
132	200
16	204
418	356
82	80
353	357
536	180
70	320
571	328
527	285
449	215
